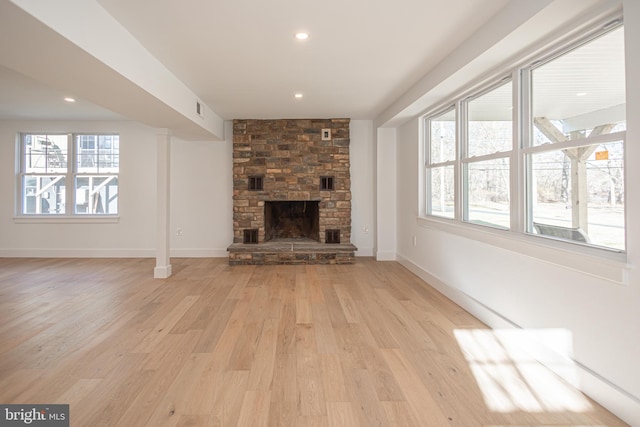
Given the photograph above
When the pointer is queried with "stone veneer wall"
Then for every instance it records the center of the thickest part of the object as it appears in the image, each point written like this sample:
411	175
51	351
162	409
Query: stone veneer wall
291	156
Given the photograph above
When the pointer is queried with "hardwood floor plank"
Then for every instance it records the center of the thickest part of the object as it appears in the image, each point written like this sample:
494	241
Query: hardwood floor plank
341	414
163	328
284	391
216	327
325	339
303	310
165	364
116	393
363	395
349	307
261	373
76	393
229	400
255	409
400	414
177	396
311	396
333	378
423	406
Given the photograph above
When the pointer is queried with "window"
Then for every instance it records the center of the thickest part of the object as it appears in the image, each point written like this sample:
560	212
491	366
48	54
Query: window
558	141
440	164
575	151
69	174
486	165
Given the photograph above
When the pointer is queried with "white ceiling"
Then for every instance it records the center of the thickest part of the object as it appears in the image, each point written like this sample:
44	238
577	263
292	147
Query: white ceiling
23	98
241	59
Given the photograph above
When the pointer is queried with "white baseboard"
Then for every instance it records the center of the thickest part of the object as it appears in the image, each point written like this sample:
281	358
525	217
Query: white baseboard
76	253
199	253
385	256
621	403
162	272
364	251
109	253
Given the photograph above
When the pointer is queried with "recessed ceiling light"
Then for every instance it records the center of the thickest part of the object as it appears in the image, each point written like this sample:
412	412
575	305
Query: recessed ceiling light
69	99
302	36
581	93
298	96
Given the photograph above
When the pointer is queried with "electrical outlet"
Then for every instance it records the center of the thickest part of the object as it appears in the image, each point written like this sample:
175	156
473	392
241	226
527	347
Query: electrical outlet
365	229
179	231
415	241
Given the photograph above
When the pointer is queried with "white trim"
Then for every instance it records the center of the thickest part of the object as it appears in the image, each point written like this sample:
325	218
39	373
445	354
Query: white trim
198	253
620	402
112	253
76	253
162	272
607	265
364	252
66	219
385	256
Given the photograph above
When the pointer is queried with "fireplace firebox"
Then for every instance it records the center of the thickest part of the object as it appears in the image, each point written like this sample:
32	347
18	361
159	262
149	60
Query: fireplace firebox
291	220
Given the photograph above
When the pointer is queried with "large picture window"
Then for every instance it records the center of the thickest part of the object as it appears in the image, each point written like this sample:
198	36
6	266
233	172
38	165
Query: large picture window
575	153
553	132
64	174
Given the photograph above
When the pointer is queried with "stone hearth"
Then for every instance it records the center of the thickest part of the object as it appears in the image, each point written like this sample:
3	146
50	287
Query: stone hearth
292	192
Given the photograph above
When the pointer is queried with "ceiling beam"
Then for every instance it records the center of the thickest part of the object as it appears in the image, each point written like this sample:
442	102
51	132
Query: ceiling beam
76	46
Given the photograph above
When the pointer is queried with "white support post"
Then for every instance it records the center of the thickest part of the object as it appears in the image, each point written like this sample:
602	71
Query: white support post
163	261
386	230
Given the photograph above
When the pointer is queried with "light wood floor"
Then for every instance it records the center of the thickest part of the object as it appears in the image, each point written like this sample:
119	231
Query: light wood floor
367	345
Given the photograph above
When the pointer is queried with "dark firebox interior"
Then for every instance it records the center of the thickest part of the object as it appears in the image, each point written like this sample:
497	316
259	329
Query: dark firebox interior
291	220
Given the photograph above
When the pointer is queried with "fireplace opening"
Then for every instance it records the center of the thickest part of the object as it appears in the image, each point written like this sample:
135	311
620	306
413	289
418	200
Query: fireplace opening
291	220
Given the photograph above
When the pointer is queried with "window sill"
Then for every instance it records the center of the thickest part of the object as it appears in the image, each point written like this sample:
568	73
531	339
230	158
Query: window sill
601	263
66	219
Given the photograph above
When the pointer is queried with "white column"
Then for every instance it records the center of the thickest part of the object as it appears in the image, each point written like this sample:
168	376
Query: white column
386	194
163	175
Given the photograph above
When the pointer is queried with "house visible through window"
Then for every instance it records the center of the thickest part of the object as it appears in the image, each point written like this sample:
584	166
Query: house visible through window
64	174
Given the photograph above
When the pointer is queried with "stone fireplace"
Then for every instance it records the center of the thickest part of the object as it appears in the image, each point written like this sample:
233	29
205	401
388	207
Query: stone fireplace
291	192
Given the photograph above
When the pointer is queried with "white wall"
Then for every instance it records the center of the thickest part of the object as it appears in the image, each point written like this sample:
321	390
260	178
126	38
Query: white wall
507	288
132	235
201	196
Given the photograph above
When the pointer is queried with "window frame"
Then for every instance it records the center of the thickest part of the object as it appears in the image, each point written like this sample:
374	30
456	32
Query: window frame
71	175
430	166
527	143
467	160
599	261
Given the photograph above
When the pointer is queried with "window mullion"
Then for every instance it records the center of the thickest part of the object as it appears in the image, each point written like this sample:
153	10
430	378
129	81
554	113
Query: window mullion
521	135
461	152
70	175
492	156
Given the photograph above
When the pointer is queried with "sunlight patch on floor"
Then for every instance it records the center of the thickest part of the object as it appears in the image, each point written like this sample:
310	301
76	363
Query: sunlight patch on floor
509	376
